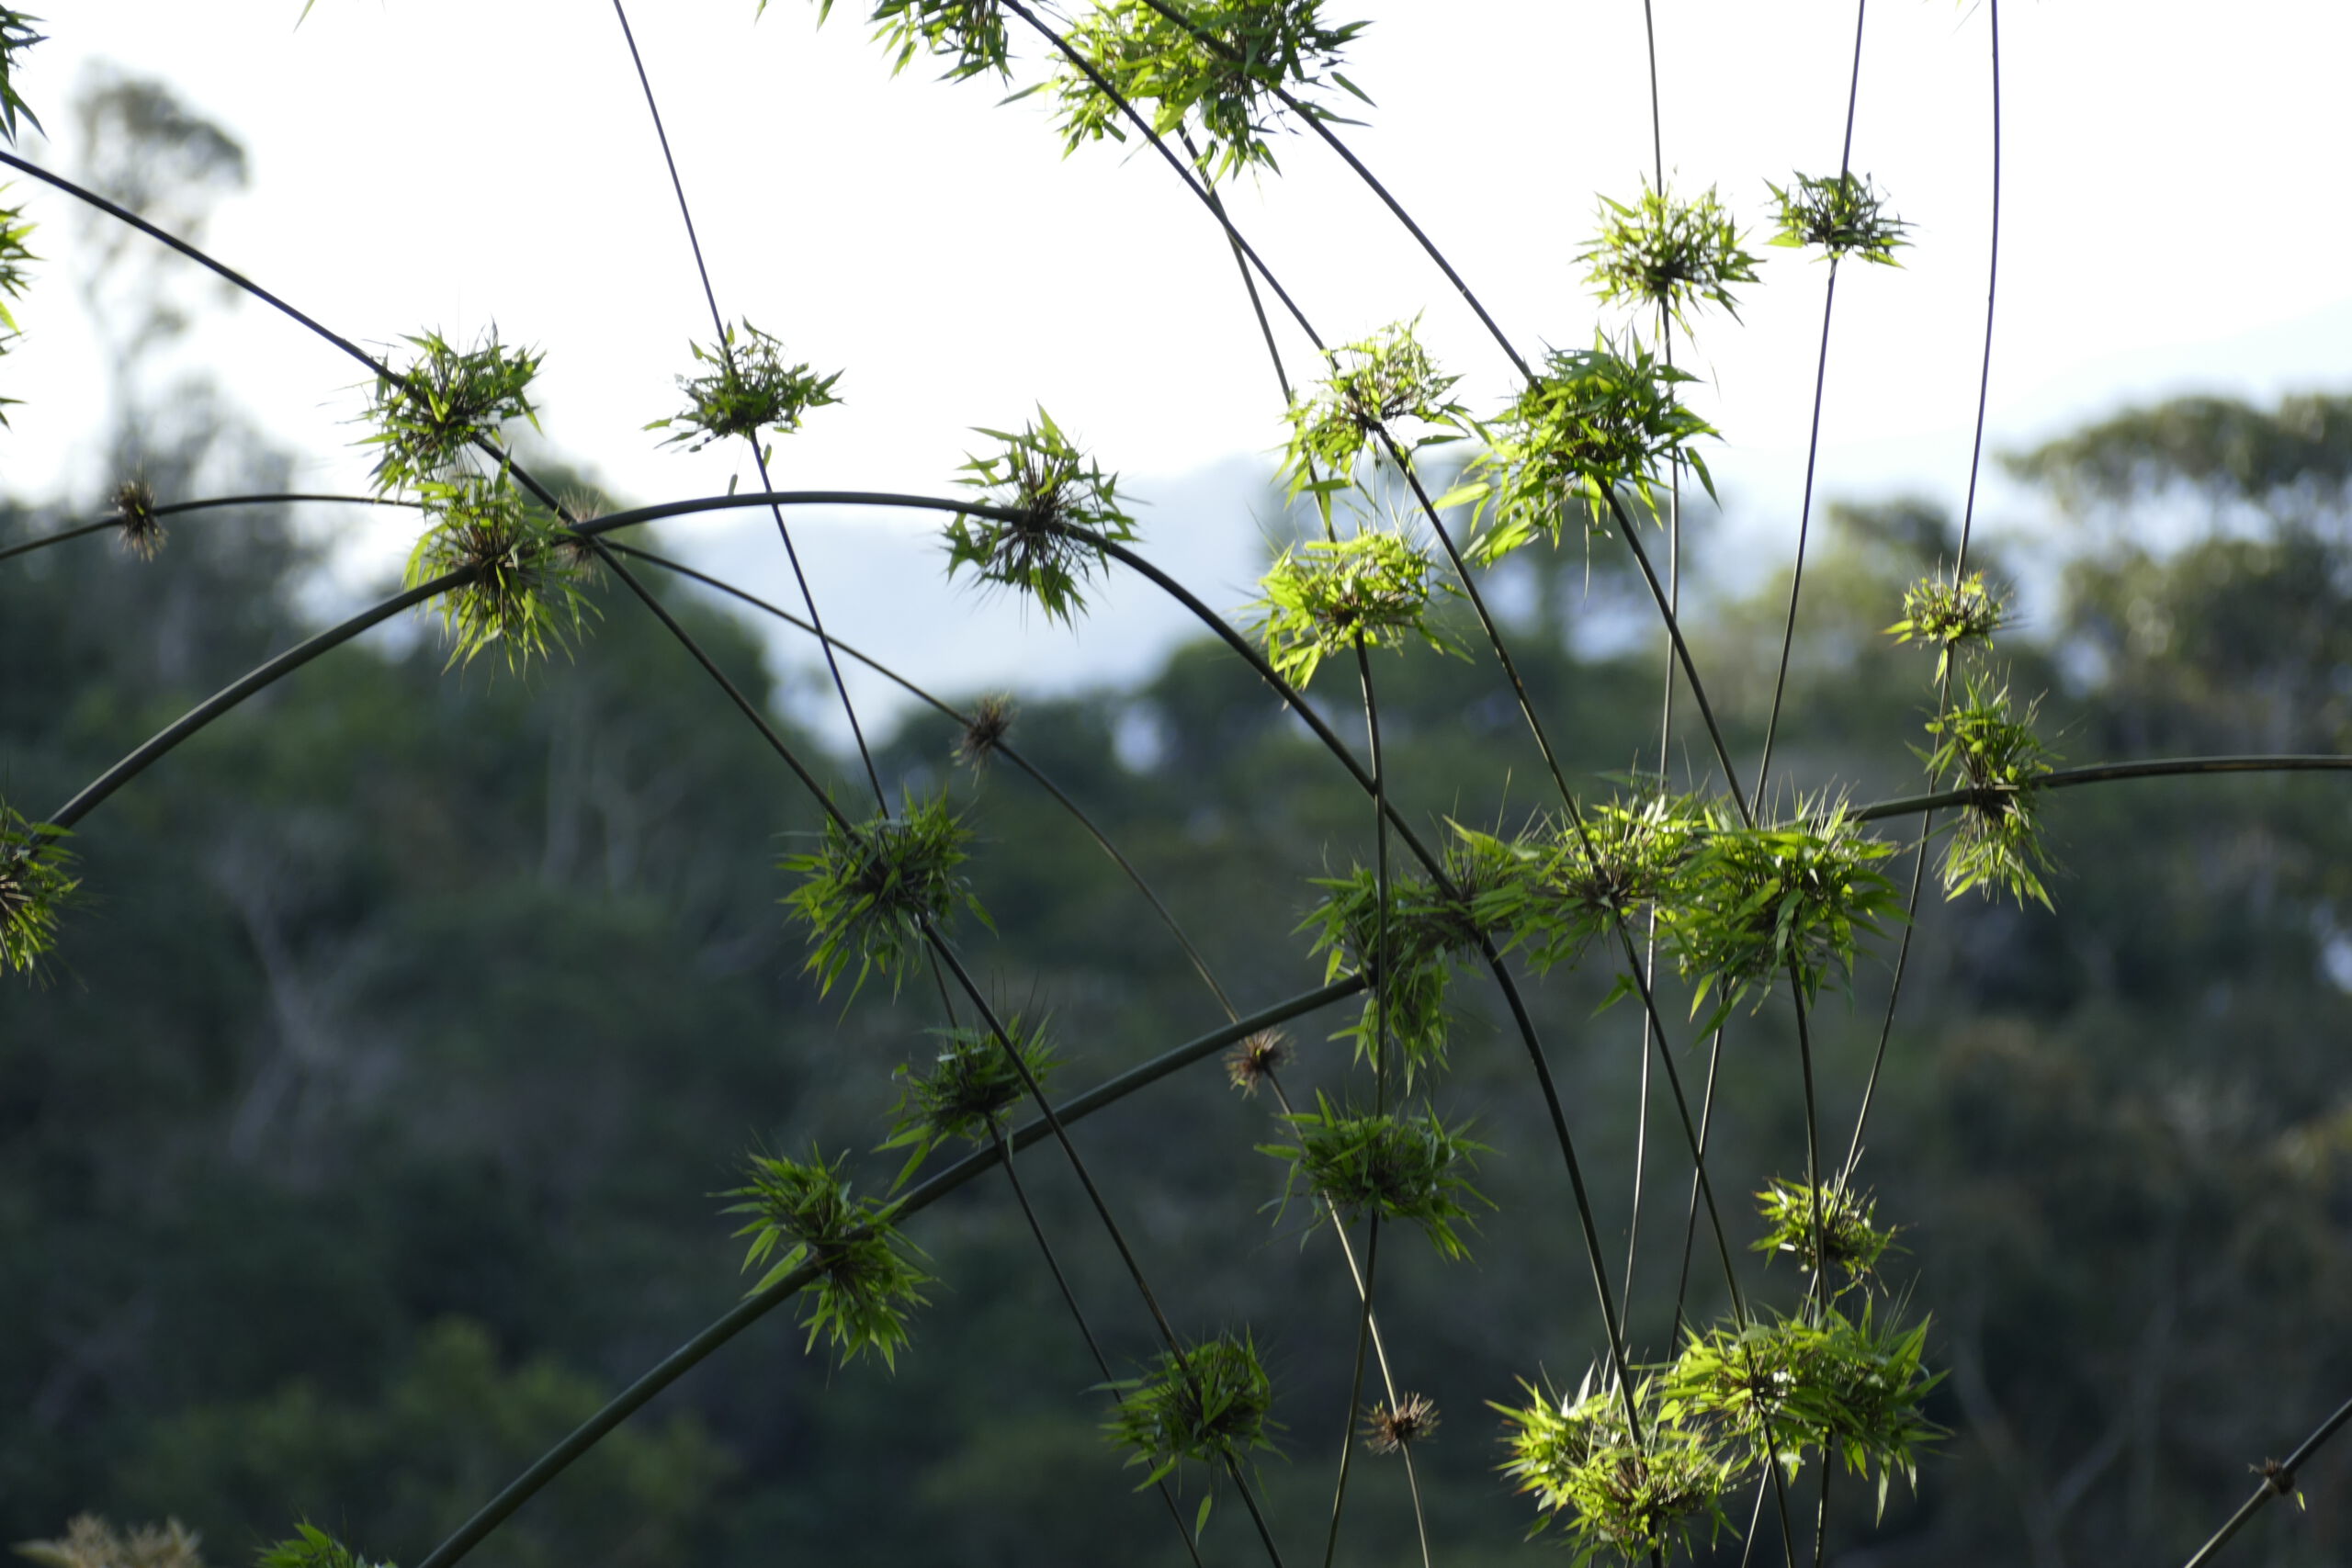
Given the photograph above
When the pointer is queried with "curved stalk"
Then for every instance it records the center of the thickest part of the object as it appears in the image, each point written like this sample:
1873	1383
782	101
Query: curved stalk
2109	772
82	530
2278	1481
751	1308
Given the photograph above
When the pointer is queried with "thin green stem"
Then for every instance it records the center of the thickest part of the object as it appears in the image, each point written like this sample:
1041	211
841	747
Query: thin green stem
1078	1316
2110	772
749	1310
2276	1482
178	508
1355	1389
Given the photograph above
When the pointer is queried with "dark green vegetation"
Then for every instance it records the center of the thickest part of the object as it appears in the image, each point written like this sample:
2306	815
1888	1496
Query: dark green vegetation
359	1133
406	1032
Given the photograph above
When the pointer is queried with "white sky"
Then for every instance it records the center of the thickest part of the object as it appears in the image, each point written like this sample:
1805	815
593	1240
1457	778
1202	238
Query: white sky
2172	221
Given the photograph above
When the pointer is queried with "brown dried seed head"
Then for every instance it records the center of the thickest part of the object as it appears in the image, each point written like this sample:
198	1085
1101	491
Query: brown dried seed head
1256	1059
1414	1418
985	731
135	505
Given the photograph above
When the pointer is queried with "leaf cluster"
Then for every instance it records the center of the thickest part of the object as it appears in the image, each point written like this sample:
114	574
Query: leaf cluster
1319	599
1756	903
16	35
970	1084
1053	489
311	1547
804	1214
1213	1403
1576	1456
1594	422
1670	254
428	416
1827	1381
523	591
1847	1238
1407	948
1556	890
748	388
1842	215
870	892
1982	746
34	884
1410	1168
1375	384
1948	612
970	33
1213	74
14	254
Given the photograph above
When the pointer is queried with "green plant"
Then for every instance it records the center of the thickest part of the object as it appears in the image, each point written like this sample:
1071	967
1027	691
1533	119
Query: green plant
1832	1227
1615	1493
1211	1402
1414	1169
521	588
1838	215
1668	255
802	1215
1596	421
748	388
873	894
429	415
34	884
970	1085
1326	597
1983	748
1053	508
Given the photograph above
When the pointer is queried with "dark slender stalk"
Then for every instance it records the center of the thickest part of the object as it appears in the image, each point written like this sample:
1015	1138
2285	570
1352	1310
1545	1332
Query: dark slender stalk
1812	441
237	691
759	456
1004	748
1960	566
1356	1387
1159	145
1682	656
2109	772
1078	1316
1314	122
749	1310
2276	1482
83	530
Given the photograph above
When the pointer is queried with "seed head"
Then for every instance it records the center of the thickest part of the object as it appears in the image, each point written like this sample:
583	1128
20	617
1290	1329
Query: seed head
1257	1059
991	720
1414	1418
135	505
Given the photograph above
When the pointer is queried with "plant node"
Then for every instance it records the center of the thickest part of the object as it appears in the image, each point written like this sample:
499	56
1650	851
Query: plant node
871	891
134	510
802	1213
1057	497
1392	1431
1841	215
748	388
1213	1403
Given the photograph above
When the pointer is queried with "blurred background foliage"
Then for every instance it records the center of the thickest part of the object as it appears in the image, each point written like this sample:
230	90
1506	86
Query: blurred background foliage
361	1138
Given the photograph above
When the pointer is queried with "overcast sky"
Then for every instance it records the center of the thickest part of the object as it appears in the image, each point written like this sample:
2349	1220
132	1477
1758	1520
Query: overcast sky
2172	220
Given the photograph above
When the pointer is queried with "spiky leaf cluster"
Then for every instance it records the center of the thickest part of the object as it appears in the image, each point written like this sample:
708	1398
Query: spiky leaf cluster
1424	930
1824	1382
1051	487
985	728
1669	255
1984	746
1948	613
1556	890
431	413
803	1212
1374	385
1757	904
964	1092
1214	1404
311	1547
14	231
1320	597
869	893
522	592
1839	215
1845	1238
1414	1169
969	34
1594	422
91	1542
748	388
1612	1495
1256	1059
16	36
34	884
1214	79
1392	1429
